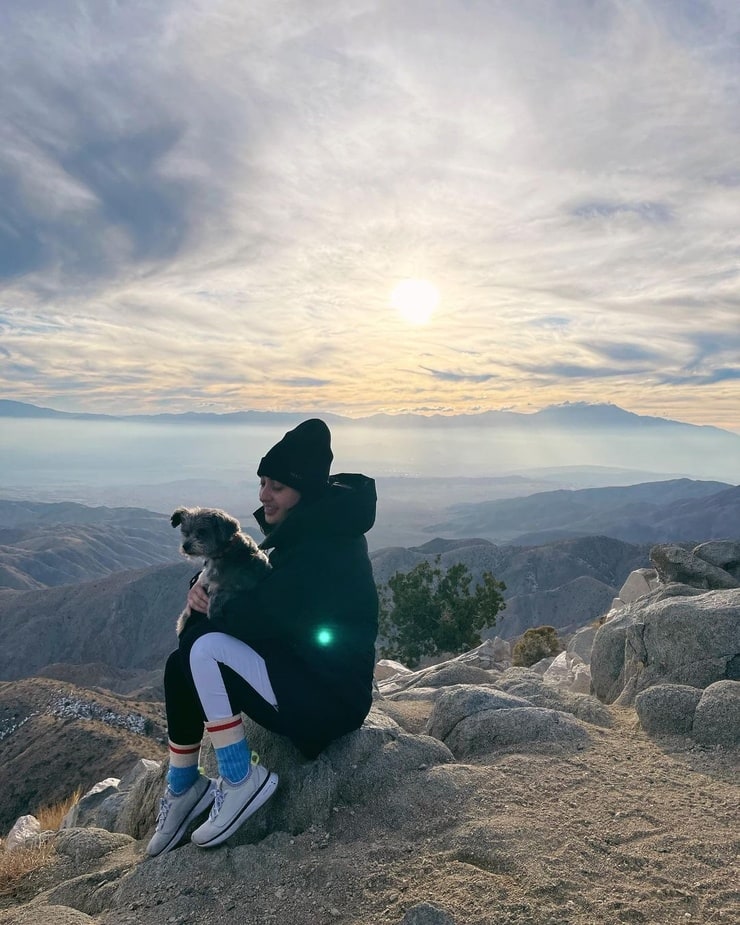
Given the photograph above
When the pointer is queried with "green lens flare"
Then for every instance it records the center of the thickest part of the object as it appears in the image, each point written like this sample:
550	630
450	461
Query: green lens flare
324	636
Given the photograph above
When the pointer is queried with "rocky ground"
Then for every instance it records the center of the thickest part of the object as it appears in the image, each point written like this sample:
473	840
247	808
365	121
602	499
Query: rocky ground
627	829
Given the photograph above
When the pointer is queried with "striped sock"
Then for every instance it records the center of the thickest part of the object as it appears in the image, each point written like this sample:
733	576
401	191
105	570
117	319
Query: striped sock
232	752
183	771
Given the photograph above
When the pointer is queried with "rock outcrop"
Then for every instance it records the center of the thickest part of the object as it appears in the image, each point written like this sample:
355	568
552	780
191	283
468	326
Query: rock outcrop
696	567
667	709
710	717
675	635
672	634
26	829
470	715
582	642
717	717
474	724
107	804
638	583
361	768
568	672
724	554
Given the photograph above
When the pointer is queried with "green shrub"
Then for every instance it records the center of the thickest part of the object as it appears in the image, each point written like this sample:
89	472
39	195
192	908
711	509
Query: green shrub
535	644
428	612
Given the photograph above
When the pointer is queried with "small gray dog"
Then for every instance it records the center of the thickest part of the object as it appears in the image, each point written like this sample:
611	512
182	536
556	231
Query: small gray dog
233	561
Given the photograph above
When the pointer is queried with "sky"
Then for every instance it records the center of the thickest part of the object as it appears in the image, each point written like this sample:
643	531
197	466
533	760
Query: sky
206	205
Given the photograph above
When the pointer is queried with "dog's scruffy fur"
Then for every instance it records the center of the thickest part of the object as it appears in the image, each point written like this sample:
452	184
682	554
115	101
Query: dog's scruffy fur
233	561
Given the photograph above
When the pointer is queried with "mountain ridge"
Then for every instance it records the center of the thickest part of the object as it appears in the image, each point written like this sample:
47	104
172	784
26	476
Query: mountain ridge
649	512
566	583
49	545
55	736
579	414
126	619
16	409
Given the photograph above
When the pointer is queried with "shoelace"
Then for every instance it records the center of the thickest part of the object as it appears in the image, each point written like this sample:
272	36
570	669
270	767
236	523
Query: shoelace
219	795
164	808
218	799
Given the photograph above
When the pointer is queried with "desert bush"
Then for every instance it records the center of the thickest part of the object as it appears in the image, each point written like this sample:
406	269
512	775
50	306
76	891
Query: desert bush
427	611
535	644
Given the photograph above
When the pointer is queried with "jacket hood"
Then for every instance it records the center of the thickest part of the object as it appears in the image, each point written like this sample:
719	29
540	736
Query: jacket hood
345	508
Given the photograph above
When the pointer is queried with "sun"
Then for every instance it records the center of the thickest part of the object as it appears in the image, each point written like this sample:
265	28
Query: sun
415	300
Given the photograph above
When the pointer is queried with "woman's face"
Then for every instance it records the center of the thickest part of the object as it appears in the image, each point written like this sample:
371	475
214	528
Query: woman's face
277	499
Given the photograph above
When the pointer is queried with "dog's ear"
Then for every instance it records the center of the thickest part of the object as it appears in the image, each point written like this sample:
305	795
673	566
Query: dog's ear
228	526
177	516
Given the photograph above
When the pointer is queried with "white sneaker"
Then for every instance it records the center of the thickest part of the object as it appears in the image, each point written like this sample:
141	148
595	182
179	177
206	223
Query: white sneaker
177	811
234	804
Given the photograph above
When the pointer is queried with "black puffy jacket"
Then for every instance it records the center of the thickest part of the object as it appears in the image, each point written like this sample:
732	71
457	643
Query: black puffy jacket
314	618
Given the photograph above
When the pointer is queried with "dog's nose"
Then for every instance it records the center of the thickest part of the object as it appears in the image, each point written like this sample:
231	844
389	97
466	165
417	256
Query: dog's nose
186	547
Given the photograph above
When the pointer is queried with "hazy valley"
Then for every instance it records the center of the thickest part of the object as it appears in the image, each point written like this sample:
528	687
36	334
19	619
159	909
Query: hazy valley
103	585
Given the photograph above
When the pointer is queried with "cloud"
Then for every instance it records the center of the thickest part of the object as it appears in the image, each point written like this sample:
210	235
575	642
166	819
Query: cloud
194	199
629	353
556	322
447	376
556	371
710	345
305	382
133	214
731	374
648	211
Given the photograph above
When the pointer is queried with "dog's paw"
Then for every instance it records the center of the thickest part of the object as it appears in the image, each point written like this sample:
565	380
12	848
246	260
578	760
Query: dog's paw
182	621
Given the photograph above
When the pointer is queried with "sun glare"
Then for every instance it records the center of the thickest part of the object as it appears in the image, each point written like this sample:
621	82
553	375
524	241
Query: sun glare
415	300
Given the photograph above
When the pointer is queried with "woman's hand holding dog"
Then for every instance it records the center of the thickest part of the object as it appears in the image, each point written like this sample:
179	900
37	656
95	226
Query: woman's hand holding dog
198	598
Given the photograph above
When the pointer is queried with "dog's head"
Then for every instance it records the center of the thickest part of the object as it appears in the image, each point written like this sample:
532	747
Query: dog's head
206	531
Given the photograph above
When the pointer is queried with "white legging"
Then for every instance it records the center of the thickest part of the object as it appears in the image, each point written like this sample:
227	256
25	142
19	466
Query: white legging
205	655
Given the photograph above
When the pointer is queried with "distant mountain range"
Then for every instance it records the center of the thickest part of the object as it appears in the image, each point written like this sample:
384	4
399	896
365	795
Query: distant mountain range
18	409
652	512
580	415
44	545
47	545
54	450
125	620
72	591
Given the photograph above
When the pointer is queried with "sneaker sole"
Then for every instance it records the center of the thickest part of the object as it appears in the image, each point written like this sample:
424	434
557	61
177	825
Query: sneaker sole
201	806
259	798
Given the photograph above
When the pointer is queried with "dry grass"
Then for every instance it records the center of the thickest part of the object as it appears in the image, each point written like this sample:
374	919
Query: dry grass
50	817
14	865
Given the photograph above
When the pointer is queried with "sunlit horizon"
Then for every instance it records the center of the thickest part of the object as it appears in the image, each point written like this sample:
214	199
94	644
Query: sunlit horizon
185	408
214	212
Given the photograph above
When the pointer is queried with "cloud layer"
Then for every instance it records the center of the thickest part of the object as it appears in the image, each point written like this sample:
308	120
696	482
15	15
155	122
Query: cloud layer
207	204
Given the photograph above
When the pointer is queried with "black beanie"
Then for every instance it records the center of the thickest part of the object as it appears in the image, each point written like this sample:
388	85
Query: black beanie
302	459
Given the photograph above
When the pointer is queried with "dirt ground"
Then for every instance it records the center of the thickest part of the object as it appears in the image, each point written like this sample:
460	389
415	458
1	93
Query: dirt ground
627	830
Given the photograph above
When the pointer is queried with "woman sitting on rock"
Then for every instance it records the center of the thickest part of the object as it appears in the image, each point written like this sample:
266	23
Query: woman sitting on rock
296	656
